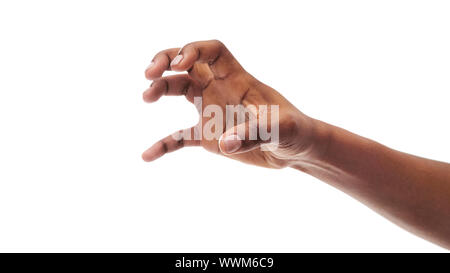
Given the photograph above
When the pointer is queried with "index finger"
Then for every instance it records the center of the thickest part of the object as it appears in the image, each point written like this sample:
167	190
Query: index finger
219	59
213	52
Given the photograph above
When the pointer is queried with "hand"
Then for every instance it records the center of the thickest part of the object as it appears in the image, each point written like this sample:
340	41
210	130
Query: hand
411	191
217	77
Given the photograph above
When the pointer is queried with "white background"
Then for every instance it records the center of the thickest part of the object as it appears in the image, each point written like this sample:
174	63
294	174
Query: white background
73	123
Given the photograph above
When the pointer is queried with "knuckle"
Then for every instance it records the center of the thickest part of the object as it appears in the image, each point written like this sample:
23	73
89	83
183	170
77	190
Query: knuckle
165	147
188	46
161	83
160	54
217	43
288	122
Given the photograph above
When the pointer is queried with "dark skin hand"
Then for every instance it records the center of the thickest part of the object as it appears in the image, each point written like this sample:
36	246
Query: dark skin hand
412	192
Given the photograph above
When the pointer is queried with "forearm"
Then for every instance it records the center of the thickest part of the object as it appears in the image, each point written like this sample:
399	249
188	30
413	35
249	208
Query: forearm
413	192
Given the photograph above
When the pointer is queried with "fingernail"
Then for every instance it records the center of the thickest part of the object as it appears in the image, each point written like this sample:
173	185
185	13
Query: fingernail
150	65
176	60
231	143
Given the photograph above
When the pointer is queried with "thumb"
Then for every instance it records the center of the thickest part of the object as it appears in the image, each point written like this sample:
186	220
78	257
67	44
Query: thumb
240	139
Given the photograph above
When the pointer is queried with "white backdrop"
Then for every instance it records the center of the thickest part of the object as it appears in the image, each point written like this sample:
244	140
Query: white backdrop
73	123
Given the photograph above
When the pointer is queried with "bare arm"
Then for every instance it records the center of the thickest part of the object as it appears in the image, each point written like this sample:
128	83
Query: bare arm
412	192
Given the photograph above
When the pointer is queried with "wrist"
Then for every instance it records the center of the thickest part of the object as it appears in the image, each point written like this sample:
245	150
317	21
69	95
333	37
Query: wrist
315	144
